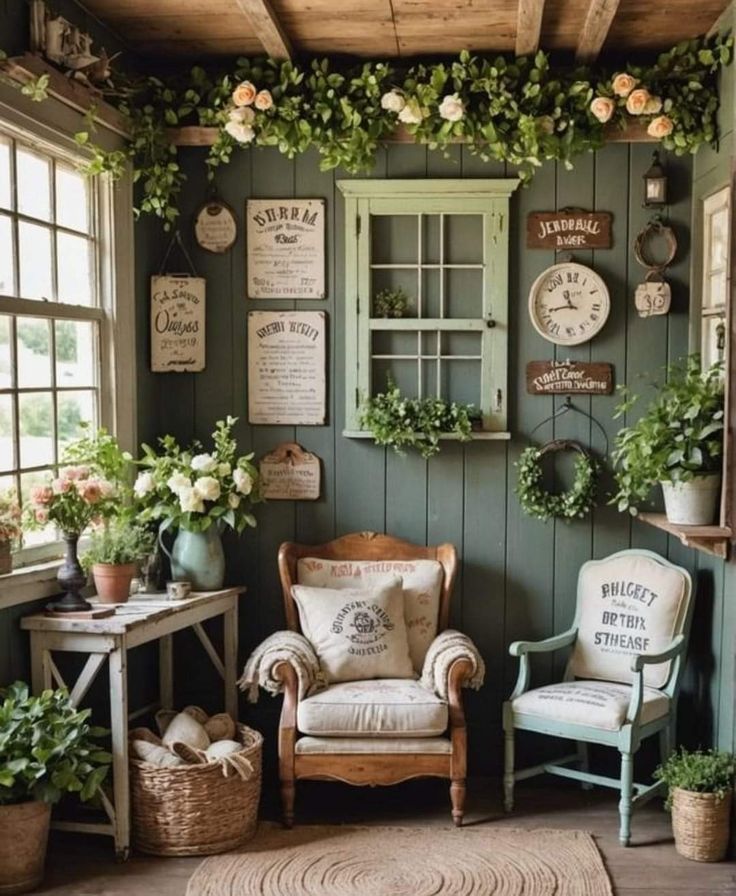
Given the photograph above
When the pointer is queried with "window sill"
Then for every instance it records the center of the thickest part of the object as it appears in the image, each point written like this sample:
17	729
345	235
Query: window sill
29	583
476	435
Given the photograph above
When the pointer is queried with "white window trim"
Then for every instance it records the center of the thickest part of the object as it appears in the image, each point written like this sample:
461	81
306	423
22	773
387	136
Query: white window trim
54	124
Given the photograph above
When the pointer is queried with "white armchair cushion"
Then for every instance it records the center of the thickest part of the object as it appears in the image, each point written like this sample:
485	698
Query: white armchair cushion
384	708
422	588
627	605
356	633
597	704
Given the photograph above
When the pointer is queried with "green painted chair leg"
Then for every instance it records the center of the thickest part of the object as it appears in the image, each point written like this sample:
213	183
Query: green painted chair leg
508	768
584	763
624	806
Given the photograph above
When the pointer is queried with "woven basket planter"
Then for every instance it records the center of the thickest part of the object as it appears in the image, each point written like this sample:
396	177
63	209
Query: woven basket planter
194	810
700	822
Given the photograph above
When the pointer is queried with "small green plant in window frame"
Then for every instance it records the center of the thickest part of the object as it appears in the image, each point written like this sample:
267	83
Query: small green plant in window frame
392	303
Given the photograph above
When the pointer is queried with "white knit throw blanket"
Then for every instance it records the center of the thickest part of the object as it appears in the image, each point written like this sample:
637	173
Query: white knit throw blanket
447	647
283	646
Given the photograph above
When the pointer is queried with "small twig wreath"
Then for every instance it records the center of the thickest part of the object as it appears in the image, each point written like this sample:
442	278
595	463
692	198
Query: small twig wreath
574	503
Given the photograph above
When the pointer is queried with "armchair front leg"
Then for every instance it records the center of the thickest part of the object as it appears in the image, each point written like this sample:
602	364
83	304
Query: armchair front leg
287	738
460	672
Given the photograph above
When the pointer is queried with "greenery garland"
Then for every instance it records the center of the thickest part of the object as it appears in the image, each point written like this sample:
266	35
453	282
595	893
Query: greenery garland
536	501
522	111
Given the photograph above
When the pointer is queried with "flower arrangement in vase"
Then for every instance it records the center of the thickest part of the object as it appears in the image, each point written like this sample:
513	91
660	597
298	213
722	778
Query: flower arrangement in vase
10	528
198	493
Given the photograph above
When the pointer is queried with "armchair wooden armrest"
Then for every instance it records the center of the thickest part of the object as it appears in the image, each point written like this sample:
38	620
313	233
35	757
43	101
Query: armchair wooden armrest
674	649
286	673
522	649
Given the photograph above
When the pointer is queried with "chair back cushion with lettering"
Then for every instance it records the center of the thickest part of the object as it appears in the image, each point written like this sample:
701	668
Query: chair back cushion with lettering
422	588
357	633
627	604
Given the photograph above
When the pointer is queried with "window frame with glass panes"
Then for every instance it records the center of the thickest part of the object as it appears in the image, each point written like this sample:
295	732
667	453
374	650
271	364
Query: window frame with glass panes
429	233
716	277
56	322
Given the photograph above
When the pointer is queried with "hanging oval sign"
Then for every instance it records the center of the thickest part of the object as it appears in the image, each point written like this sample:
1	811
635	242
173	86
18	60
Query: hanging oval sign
215	226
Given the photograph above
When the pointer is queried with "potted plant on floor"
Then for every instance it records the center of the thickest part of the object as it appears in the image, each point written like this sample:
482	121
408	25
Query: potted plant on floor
47	748
115	551
677	442
700	788
10	529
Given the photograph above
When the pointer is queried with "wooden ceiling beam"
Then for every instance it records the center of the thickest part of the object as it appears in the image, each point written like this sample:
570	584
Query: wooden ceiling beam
598	20
267	27
528	26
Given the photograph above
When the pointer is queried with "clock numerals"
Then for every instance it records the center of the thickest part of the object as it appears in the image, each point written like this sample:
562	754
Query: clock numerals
569	304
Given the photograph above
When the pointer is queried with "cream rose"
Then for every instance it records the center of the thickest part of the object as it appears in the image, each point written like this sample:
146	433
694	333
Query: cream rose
602	108
203	463
660	127
224	469
242	114
244	94
190	501
207	488
243	133
393	101
623	84
636	103
233	501
144	484
177	482
411	113
243	481
263	100
452	108
653	106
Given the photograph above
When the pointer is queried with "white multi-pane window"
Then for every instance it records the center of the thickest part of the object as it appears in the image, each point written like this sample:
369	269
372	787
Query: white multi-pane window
51	311
716	240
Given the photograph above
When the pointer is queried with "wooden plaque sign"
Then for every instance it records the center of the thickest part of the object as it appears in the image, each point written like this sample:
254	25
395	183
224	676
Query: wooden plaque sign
286	367
285	248
215	227
177	323
574	229
568	378
289	473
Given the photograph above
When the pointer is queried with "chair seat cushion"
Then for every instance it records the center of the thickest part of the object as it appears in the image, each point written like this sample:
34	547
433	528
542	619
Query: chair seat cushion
390	707
419	746
597	704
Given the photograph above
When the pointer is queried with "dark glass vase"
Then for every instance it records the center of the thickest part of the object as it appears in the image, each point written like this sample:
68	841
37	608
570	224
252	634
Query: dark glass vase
72	579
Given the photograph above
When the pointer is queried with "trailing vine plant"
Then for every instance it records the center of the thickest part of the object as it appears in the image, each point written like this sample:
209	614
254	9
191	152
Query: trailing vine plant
574	503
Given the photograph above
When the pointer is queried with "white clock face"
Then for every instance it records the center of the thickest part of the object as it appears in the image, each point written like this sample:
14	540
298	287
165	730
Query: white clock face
568	304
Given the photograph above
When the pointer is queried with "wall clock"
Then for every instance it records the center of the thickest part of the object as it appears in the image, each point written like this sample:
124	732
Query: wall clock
569	303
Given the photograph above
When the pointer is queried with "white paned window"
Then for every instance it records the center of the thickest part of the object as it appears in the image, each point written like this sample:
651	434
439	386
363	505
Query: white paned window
716	242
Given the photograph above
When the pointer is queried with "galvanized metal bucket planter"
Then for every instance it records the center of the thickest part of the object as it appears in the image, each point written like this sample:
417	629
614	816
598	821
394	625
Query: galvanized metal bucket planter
692	503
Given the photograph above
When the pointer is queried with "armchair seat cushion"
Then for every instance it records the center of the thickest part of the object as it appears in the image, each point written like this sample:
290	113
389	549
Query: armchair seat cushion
362	746
597	704
389	707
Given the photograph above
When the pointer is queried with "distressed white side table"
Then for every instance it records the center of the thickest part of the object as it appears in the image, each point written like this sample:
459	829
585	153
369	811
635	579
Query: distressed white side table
140	620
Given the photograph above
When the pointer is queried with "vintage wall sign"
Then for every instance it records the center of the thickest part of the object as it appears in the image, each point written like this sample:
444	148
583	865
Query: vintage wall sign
177	323
286	367
568	378
215	226
285	248
573	229
289	473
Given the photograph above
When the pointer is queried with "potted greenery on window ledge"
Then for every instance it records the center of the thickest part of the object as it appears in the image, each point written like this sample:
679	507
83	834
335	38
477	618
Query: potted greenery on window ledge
677	442
400	422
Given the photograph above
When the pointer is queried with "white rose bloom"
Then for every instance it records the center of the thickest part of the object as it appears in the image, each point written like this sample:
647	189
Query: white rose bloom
243	133
189	501
144	484
243	481
224	469
233	501
242	115
393	101
203	463
207	488
411	113
452	108
177	482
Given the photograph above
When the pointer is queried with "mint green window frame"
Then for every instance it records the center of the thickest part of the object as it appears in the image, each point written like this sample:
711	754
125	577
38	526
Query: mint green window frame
488	199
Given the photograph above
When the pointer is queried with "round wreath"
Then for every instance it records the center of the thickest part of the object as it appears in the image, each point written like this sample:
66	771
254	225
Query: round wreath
576	502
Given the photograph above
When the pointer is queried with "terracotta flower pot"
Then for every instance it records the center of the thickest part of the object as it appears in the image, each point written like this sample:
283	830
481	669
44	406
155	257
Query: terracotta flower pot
700	823
6	561
24	831
112	581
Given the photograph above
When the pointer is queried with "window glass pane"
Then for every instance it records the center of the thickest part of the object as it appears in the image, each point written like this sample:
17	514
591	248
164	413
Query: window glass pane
431	234
34	184
713	340
34	352
463	344
74	408
6	192
398	342
431	302
403	373
463	239
463	293
715	290
35	418
35	261
27	482
429	379
7	261
392	280
72	199
75	353
394	239
461	381
73	269
719	238
6	368
8	460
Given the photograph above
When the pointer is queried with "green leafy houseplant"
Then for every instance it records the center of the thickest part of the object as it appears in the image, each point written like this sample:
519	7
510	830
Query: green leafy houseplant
698	771
118	542
391	303
400	422
679	436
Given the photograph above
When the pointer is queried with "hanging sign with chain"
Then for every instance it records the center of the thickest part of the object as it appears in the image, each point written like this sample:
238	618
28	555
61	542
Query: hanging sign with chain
654	296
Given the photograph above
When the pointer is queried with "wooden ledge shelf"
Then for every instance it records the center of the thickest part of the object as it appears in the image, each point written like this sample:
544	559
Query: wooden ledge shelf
475	436
711	539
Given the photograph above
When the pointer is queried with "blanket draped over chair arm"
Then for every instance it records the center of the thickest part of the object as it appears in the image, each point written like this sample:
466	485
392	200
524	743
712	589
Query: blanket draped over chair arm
675	648
448	648
261	668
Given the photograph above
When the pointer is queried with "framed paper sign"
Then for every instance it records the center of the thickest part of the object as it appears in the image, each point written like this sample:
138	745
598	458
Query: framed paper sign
285	248
286	367
177	323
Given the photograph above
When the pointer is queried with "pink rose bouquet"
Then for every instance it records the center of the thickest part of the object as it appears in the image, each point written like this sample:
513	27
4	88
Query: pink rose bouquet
72	500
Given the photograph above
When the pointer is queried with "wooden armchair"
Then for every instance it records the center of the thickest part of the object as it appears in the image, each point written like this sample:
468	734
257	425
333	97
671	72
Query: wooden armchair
377	755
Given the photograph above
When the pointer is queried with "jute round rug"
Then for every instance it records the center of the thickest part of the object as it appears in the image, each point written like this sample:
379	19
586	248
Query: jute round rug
352	861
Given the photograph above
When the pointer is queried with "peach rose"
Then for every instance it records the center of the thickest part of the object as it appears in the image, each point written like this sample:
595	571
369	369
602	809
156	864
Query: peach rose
623	84
41	494
75	473
61	486
637	102
244	94
90	491
42	515
602	108
653	106
263	100
660	127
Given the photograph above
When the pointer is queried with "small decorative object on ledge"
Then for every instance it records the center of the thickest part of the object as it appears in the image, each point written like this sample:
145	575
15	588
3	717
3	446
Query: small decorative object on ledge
569	228
391	303
215	226
290	473
10	529
654	295
568	377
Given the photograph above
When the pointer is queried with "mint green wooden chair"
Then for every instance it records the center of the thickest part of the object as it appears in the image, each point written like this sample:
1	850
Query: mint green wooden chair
622	679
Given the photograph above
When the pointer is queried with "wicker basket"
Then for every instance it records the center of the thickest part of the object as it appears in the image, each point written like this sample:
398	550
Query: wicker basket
194	810
700	822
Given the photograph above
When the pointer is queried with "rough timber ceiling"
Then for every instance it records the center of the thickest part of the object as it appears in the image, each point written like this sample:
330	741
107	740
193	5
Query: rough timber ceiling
386	28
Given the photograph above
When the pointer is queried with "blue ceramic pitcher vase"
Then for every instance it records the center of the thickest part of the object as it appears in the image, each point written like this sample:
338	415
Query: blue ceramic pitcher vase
196	557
